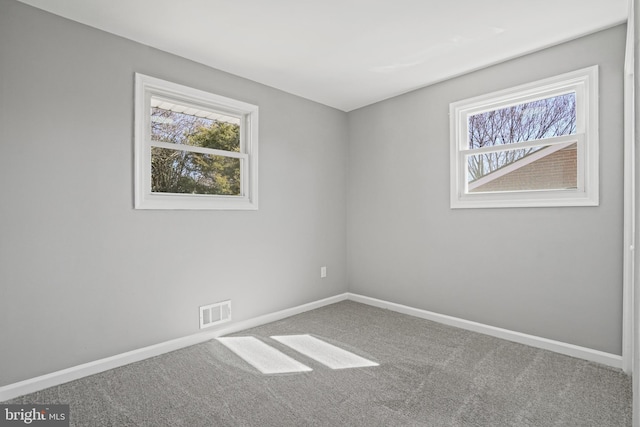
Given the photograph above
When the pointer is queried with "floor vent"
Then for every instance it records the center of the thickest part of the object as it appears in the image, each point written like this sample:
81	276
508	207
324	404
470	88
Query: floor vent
214	314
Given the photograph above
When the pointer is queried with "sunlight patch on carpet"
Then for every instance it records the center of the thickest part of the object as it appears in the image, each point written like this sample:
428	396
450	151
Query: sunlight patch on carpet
261	356
323	352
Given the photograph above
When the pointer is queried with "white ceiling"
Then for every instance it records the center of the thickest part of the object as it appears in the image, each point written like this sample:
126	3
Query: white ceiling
345	53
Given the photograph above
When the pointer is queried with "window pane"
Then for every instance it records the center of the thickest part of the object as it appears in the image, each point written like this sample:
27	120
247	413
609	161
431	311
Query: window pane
540	168
180	124
545	118
184	172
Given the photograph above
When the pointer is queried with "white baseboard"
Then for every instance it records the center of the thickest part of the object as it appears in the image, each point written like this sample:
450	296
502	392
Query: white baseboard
76	372
63	376
531	340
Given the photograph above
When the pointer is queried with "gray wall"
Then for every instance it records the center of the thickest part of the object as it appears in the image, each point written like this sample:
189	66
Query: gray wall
635	20
550	272
85	276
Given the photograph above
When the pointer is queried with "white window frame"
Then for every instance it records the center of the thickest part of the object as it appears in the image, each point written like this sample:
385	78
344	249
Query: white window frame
584	83
147	87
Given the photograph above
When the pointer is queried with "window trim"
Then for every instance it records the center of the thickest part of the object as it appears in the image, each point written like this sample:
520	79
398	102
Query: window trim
147	87
584	83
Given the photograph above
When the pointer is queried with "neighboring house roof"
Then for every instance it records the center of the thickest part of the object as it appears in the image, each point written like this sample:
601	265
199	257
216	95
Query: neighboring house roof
552	167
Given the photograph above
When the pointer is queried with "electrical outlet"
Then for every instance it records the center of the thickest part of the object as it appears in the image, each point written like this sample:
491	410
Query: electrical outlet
323	272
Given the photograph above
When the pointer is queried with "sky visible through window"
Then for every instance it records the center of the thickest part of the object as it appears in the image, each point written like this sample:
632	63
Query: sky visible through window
536	120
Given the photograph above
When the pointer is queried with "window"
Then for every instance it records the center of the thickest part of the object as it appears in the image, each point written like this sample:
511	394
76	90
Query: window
532	145
193	149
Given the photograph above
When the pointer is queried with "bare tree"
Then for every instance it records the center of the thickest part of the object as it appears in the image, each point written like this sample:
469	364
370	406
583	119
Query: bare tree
183	171
534	120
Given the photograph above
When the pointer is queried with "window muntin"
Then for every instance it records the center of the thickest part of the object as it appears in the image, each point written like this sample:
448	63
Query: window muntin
533	145
194	150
